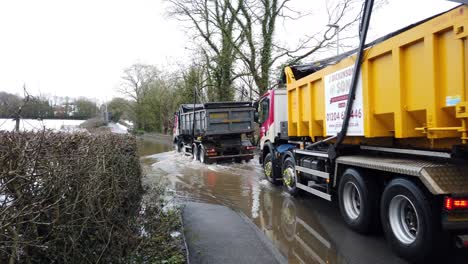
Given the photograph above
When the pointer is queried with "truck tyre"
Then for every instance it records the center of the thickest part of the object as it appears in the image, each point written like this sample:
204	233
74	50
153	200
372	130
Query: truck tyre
203	156
178	146
184	149
269	168
195	152
358	201
290	176
410	222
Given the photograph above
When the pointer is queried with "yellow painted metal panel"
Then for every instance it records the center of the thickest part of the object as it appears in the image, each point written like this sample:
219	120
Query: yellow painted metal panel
382	84
292	112
411	84
318	108
381	96
414	76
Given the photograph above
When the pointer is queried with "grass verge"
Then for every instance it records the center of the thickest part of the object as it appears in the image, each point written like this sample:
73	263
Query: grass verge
161	231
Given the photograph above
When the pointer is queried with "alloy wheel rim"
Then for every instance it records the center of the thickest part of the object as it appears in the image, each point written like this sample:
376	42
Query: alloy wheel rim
289	178
195	152
202	154
268	169
404	219
352	200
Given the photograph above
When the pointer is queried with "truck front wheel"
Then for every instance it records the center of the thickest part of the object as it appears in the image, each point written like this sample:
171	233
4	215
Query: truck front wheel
409	221
290	176
271	173
358	201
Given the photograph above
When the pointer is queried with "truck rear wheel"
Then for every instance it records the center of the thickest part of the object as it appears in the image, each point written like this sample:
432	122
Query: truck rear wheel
409	221
195	152
202	154
269	168
178	146
290	176
358	201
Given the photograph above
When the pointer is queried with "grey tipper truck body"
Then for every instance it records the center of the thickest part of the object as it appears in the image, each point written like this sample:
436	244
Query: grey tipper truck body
214	131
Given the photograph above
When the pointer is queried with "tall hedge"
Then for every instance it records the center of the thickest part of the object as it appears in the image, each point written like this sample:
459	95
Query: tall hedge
68	198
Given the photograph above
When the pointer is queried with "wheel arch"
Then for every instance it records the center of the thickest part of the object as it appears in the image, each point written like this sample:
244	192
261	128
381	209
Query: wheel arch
382	178
285	155
267	148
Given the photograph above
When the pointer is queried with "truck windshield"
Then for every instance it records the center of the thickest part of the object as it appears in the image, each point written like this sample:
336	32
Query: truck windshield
263	110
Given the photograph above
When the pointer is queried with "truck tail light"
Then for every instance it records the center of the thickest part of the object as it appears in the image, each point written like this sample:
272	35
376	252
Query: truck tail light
455	203
250	147
211	152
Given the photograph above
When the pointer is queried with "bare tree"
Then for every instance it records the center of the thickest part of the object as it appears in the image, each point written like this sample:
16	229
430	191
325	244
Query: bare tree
260	51
137	81
343	15
215	27
9	103
245	30
257	54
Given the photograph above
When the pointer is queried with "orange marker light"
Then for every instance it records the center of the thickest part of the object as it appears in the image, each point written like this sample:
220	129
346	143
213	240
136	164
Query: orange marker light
455	203
448	203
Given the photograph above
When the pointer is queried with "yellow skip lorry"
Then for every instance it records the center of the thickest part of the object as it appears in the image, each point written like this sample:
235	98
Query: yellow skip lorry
387	137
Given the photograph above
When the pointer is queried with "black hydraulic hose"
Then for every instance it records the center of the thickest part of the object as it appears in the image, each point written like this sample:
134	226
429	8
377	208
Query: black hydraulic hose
364	26
194	106
357	68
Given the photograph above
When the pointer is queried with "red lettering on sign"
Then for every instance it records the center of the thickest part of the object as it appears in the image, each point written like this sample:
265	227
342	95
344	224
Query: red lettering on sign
338	98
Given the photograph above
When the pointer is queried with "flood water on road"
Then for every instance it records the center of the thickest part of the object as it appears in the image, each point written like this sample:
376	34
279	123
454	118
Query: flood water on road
305	229
147	147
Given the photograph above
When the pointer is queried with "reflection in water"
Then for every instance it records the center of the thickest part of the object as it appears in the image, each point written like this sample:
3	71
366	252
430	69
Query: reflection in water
146	147
295	231
288	219
310	245
255	200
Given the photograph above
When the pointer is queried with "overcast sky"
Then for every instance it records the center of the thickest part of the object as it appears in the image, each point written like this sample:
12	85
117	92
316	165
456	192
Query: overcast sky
79	48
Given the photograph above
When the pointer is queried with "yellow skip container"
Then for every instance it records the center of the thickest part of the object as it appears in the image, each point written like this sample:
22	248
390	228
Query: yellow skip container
412	90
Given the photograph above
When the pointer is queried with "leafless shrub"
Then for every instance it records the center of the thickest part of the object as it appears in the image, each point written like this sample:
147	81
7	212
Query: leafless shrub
93	123
68	198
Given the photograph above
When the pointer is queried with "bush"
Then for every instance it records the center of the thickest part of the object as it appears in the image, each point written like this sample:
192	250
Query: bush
93	123
137	132
68	198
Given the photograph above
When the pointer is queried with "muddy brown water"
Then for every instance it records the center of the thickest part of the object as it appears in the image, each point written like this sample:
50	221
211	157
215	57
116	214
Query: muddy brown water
304	229
149	147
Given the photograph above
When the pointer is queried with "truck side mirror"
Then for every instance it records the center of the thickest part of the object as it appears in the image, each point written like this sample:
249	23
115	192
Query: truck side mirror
255	104
256	117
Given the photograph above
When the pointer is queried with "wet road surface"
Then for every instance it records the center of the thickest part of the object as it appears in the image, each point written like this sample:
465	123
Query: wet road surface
217	234
305	229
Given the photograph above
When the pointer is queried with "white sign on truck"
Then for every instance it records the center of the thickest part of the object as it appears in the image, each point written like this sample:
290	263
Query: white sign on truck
337	87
